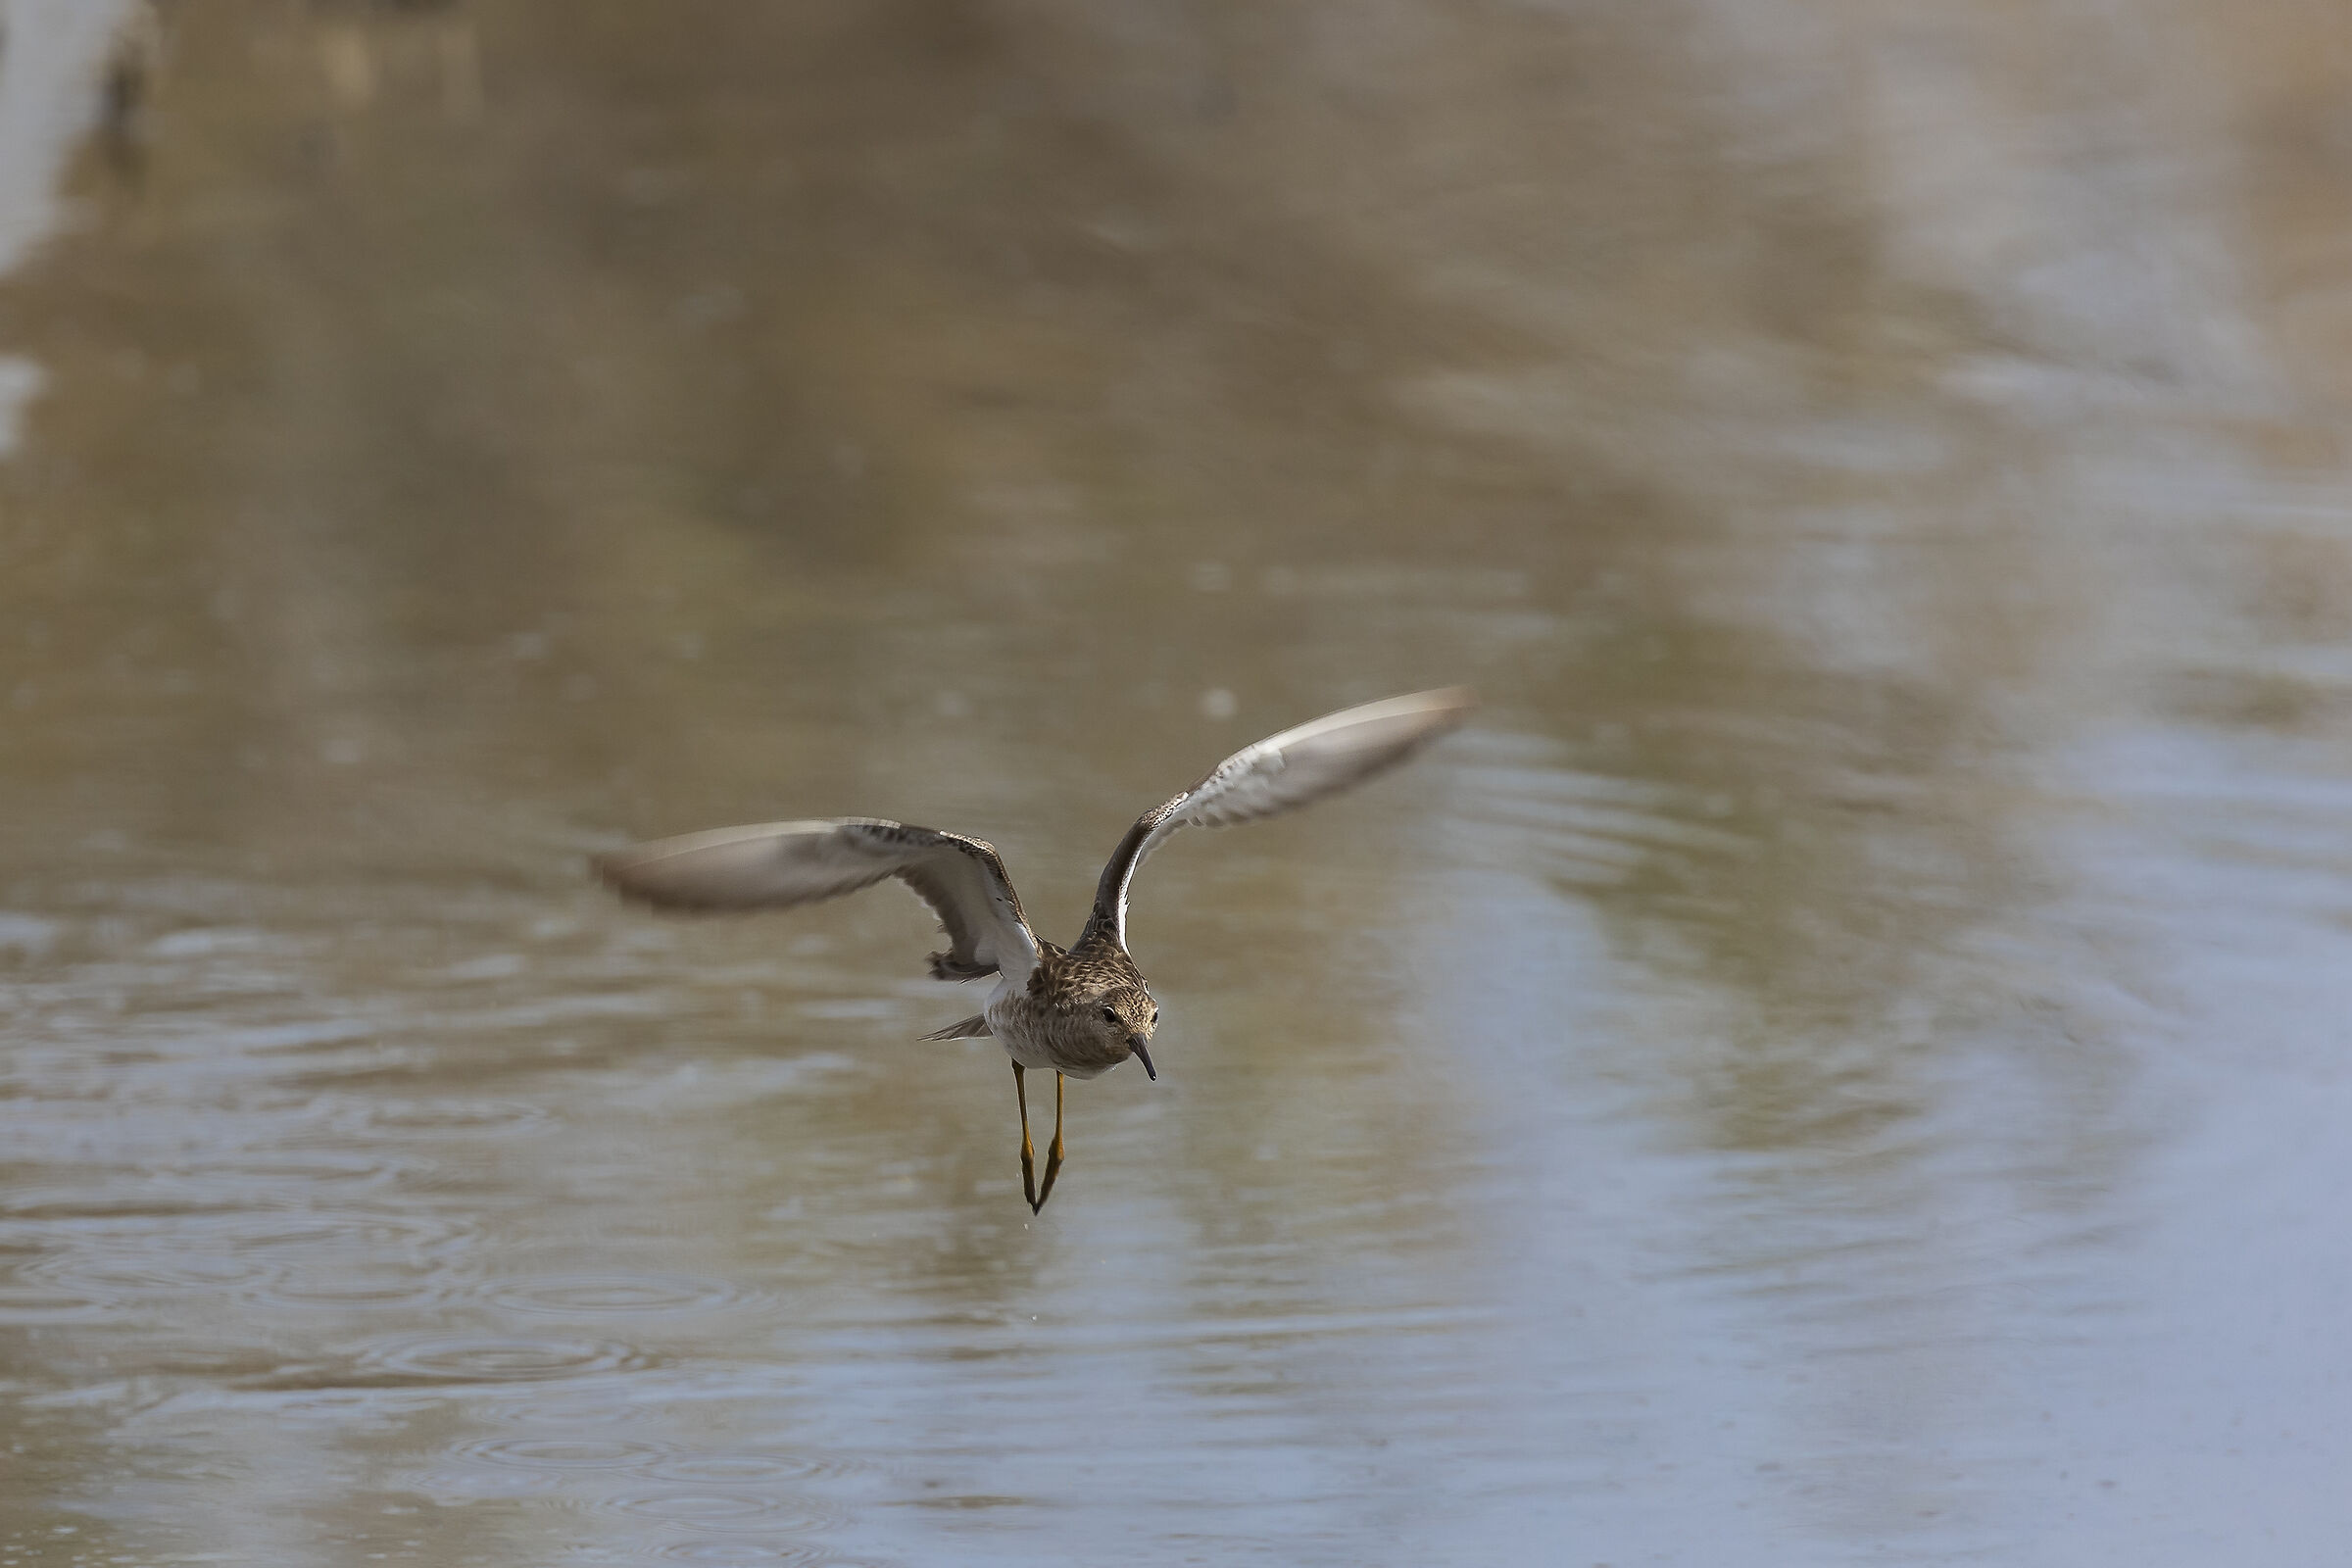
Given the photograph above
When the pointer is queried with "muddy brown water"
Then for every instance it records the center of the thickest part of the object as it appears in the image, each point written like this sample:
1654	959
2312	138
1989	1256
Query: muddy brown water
1843	1063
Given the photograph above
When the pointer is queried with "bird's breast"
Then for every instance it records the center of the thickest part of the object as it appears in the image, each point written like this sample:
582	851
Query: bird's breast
1046	1039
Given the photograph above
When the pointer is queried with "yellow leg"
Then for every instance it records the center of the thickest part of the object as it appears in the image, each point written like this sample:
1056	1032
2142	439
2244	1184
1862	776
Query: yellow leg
1020	1092
1053	1152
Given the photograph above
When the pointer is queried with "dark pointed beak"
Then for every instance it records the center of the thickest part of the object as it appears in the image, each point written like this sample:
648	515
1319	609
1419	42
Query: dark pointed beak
1135	1043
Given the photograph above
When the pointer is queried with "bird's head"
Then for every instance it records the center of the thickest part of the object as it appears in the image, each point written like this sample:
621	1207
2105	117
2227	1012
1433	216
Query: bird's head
1123	1016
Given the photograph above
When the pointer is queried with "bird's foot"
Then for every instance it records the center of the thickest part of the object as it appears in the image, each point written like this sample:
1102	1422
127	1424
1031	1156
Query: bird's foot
1053	1169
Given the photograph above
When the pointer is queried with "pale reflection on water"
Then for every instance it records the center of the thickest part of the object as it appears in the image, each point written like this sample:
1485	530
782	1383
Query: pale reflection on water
1843	1063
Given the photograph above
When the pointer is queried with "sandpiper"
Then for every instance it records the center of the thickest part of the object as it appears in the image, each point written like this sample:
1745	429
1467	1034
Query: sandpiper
1079	1010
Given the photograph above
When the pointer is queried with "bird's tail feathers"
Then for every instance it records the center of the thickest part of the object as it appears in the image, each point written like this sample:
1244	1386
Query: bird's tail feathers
973	1028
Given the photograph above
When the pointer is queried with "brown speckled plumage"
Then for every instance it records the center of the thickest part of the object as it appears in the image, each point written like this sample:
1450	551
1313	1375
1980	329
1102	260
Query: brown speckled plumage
1081	1010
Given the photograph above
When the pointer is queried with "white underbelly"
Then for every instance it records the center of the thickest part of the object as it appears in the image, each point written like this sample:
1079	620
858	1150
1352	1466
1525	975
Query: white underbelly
1020	1030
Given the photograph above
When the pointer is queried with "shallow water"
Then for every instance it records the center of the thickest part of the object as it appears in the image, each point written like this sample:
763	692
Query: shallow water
1843	1063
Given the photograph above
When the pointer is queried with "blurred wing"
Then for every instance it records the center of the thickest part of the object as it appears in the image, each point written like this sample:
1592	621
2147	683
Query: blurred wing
1280	773
774	865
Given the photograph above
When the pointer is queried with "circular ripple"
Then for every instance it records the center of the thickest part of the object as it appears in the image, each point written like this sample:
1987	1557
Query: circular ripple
743	1554
564	1453
259	1183
476	1484
445	1118
113	1275
47	1205
580	1295
499	1358
712	1508
360	1284
298	1167
746	1468
347	1259
354	1230
44	1304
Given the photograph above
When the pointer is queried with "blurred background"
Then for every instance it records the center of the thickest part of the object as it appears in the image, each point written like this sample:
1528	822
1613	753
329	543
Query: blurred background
1844	1061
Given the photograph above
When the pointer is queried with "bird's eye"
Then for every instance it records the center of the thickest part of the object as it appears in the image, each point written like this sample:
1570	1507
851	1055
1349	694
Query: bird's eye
1110	1015
1156	1015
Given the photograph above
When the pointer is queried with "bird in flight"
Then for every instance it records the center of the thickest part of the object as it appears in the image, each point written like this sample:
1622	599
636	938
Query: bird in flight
1078	1010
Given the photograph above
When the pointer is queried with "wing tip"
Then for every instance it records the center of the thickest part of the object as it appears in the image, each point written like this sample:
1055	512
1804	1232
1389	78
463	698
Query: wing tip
1446	706
1422	714
611	868
616	868
1404	723
632	874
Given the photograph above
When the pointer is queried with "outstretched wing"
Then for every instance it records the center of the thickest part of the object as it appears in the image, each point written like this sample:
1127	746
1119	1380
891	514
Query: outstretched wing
776	865
1291	769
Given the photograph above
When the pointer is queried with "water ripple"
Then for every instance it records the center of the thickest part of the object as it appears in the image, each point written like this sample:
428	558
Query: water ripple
371	1231
112	1274
446	1117
567	1453
297	1169
749	1468
746	1553
497	1358
351	1257
582	1294
719	1510
42	1303
361	1282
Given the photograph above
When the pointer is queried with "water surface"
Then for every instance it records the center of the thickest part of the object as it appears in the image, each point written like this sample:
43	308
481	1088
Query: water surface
1843	1063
